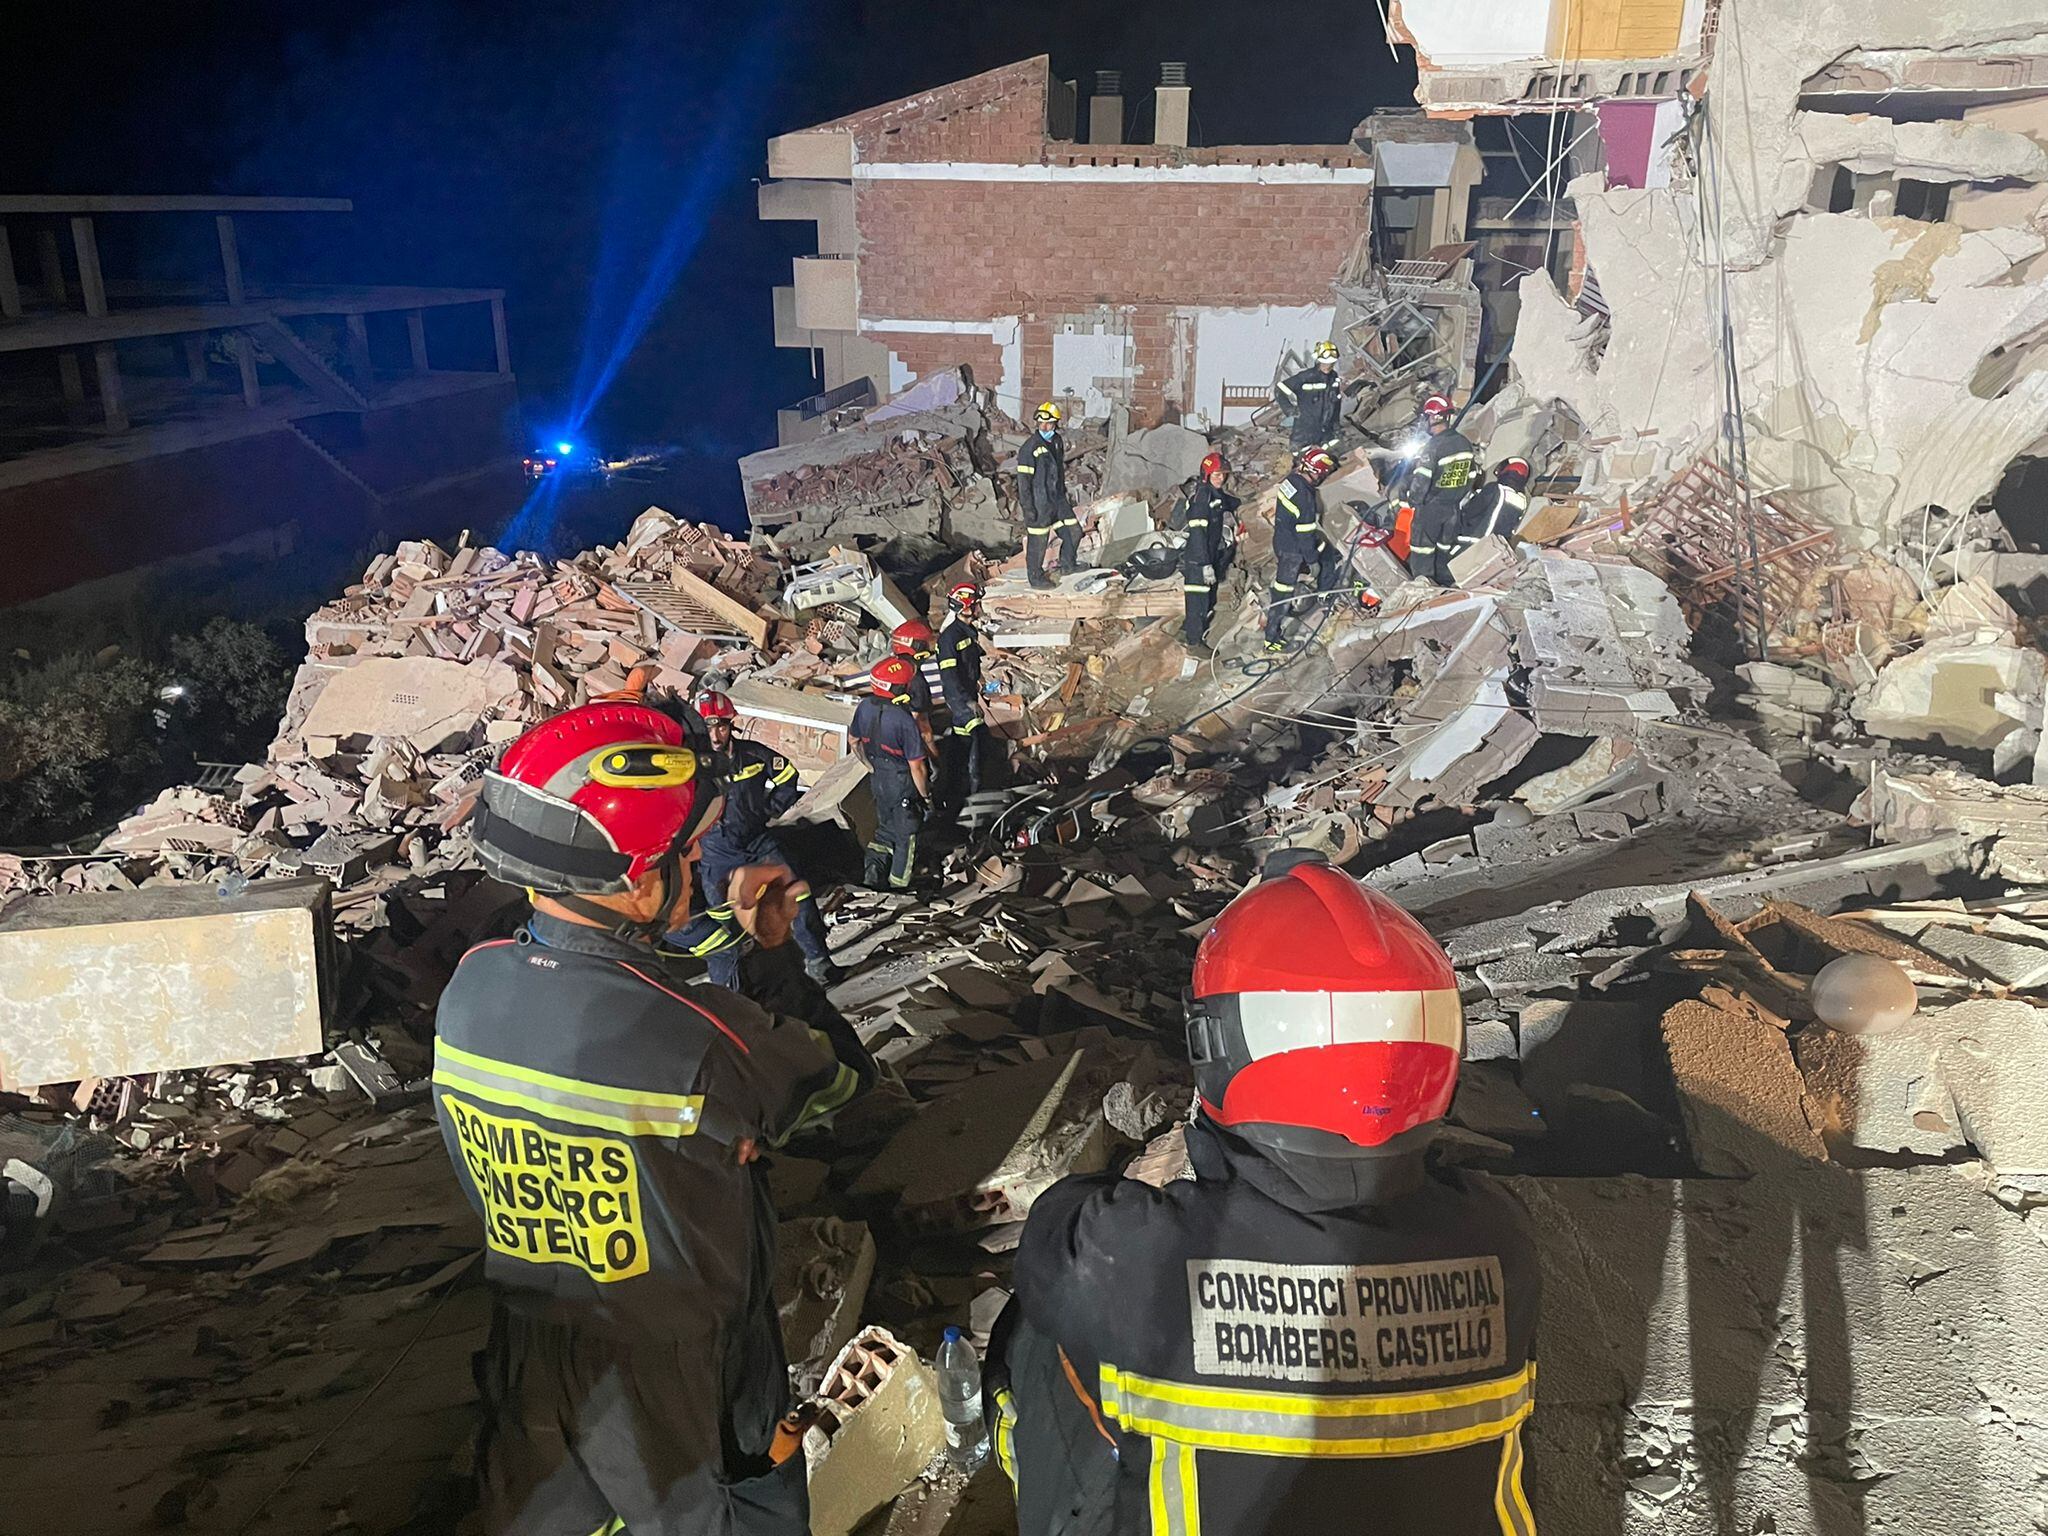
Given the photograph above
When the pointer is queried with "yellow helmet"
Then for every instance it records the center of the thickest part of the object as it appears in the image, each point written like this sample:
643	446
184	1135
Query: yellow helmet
1048	412
1326	349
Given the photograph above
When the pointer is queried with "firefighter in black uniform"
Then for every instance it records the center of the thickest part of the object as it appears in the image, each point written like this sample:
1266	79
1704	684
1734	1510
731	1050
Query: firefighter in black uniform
759	785
885	735
1205	558
1315	398
968	742
1042	489
1315	1333
1495	510
1436	486
601	1112
1299	541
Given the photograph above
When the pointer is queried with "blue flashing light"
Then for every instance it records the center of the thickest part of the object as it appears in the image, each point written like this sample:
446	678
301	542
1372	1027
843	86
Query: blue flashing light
565	449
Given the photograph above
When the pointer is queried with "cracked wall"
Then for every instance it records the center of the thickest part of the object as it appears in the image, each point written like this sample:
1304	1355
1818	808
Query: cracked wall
1859	334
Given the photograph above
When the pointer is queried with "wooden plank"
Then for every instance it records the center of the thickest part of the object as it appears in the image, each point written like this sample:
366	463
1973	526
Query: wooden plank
738	614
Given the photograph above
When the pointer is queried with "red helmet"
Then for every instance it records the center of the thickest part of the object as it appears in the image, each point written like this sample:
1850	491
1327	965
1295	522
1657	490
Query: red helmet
965	596
1436	406
1515	471
713	705
1316	463
891	675
1323	1018
1213	462
591	800
911	636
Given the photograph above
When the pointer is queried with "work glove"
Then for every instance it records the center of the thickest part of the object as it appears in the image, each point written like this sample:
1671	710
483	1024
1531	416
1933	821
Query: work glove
1208	575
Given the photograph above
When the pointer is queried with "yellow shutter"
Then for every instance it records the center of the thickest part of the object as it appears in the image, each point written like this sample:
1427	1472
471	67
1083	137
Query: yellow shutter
1616	29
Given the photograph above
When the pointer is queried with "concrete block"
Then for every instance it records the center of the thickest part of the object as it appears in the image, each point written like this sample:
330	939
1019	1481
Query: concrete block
115	983
1880	1093
881	1426
431	704
1948	694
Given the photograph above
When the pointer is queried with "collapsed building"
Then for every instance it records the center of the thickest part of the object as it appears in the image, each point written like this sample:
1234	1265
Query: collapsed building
1718	782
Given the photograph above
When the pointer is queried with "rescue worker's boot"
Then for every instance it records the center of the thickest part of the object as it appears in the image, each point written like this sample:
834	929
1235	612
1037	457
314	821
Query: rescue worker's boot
823	970
1034	560
874	867
1070	546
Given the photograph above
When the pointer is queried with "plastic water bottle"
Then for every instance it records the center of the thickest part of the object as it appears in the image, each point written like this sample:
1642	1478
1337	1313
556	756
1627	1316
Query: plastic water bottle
960	1400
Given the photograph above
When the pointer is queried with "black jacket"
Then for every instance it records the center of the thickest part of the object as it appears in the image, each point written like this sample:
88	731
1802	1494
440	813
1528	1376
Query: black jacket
1297	514
759	784
1212	528
960	669
1444	470
593	1104
1259	1344
1042	481
1317	403
1497	511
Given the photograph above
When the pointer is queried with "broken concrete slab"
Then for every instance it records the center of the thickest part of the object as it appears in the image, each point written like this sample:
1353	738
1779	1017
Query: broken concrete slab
2023	967
431	704
111	984
1157	459
984	1152
1949	693
822	1270
1739	1088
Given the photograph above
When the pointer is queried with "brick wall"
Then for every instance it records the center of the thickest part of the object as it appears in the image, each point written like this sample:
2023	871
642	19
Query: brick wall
923	353
997	116
967	250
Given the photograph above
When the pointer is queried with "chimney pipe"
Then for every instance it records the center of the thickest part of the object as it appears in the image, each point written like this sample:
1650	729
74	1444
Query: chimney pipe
1106	108
1170	106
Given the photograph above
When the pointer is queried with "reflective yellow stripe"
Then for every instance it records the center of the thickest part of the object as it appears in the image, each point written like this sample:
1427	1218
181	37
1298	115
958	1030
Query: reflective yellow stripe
1176	1504
1287	501
1046	529
788	773
679	1122
1198	522
1510	1502
571	1085
844	1085
950	661
969	728
1283	586
1298	1424
1006	1433
747	772
1189	586
1026	469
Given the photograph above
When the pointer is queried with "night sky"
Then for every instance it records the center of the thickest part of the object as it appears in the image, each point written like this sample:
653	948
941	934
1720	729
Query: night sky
577	156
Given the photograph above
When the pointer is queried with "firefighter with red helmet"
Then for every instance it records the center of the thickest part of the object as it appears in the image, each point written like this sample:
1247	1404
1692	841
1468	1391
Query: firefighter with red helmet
601	1112
1299	541
1495	510
885	735
968	743
1318	1331
759	784
1205	558
1436	485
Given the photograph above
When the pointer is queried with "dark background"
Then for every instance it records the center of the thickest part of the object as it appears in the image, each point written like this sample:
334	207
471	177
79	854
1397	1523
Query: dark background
597	160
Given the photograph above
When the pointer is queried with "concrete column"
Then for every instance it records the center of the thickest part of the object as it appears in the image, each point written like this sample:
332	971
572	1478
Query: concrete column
85	246
498	335
10	289
359	350
416	333
230	256
194	343
51	261
245	362
109	370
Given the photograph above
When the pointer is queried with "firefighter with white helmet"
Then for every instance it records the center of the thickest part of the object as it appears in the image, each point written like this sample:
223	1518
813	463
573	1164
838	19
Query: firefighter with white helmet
1318	1331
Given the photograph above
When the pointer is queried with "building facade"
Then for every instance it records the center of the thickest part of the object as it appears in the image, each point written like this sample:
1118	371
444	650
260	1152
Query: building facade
959	226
